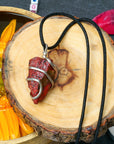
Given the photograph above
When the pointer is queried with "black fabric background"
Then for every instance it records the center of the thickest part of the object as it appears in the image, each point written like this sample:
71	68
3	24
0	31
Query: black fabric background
79	8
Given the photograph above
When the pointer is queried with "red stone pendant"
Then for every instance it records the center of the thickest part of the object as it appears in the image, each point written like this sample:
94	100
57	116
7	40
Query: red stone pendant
41	77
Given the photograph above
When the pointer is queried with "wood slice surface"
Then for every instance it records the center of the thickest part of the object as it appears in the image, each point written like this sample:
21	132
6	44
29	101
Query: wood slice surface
57	116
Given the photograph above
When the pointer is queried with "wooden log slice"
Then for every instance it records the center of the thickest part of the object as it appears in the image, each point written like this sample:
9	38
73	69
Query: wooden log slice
57	116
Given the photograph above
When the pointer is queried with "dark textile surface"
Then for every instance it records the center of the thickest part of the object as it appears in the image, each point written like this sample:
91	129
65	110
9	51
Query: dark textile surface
79	8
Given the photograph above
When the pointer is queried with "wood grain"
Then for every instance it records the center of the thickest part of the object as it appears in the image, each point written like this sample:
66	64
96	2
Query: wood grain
57	116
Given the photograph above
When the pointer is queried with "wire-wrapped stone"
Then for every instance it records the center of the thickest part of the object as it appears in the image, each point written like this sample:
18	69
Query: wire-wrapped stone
41	77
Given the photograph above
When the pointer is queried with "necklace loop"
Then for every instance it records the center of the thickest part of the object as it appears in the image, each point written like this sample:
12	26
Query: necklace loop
78	21
45	51
87	60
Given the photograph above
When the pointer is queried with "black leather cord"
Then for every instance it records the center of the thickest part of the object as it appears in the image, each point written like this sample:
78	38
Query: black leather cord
64	32
87	64
104	76
87	59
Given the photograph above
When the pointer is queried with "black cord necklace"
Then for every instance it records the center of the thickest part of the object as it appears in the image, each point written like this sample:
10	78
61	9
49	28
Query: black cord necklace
87	60
87	64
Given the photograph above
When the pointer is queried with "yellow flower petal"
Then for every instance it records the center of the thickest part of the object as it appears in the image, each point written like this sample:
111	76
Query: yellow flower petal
25	127
8	32
13	123
4	125
2	47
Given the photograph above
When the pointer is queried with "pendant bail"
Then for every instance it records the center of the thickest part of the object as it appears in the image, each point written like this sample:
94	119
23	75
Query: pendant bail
51	63
45	51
